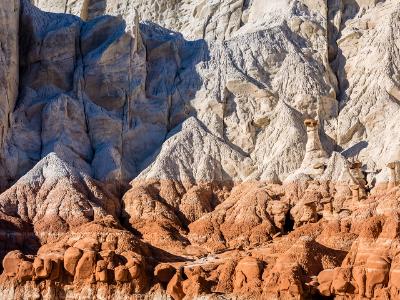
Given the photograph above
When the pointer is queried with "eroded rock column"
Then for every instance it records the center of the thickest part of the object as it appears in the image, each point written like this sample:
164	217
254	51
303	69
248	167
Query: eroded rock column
355	192
315	157
356	172
392	174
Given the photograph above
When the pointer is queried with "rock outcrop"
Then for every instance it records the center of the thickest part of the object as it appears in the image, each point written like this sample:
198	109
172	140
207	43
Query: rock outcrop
9	74
245	106
244	149
98	252
250	216
49	201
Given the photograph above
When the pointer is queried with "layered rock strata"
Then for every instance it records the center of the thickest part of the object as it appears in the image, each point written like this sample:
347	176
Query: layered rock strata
187	149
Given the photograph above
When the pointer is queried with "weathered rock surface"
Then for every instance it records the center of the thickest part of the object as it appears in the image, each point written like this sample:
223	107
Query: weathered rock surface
249	149
249	217
80	258
223	83
48	202
9	15
272	70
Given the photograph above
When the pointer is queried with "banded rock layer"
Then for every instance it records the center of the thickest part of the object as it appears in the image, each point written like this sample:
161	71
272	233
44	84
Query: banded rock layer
240	149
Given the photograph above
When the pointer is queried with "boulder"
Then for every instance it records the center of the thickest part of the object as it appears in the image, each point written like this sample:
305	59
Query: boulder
25	271
86	266
164	272
341	280
56	269
121	274
325	279
377	274
71	259
101	271
11	262
196	283
43	267
247	275
175	288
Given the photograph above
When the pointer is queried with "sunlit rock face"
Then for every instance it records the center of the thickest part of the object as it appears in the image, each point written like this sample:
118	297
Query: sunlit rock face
186	149
248	77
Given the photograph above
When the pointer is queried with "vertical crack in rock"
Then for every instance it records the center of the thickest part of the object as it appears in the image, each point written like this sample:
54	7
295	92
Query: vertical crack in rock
339	12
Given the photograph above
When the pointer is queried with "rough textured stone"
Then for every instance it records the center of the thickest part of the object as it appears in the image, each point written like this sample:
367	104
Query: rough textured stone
248	147
101	271
164	273
9	75
71	259
54	197
121	274
175	289
11	262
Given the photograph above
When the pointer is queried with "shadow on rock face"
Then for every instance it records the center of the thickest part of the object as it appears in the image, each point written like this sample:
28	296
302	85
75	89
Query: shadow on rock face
127	84
355	150
17	234
171	83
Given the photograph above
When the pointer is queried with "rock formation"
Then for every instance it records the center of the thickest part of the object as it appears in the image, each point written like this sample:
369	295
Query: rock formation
9	15
243	149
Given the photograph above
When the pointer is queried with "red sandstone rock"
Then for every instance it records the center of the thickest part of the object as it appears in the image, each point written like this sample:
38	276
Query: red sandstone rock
121	274
348	256
18	266
25	271
88	244
71	259
101	271
247	276
175	288
56	269
241	220
325	279
164	272
86	266
109	257
42	267
11	263
196	283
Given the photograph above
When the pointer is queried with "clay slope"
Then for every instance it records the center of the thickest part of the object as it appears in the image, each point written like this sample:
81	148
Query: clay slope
242	149
49	201
170	194
369	126
135	82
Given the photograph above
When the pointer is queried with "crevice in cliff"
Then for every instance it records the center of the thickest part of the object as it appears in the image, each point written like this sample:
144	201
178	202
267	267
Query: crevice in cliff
245	12
338	12
80	73
289	223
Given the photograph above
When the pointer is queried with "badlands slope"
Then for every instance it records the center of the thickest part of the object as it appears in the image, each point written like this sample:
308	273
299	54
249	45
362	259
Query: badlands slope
224	149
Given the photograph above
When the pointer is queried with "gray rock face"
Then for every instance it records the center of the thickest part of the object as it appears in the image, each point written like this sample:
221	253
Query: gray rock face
257	71
79	71
109	104
191	145
368	76
251	80
9	18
